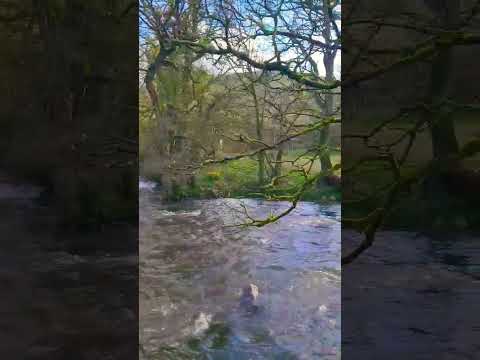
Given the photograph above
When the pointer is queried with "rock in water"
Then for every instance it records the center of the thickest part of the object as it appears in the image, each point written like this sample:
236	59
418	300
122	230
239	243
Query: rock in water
248	300
201	324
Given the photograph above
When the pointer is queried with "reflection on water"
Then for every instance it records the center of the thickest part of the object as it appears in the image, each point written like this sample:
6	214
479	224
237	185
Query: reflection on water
192	270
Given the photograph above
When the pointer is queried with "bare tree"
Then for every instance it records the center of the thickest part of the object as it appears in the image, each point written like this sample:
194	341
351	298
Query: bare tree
424	54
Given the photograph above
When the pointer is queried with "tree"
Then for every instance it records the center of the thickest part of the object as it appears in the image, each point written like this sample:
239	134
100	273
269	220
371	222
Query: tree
423	54
291	45
70	104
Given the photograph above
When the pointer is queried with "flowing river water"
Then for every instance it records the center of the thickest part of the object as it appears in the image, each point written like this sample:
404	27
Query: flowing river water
193	266
65	295
412	296
57	296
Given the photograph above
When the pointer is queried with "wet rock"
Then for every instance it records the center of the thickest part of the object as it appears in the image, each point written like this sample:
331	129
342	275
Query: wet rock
322	309
248	299
201	323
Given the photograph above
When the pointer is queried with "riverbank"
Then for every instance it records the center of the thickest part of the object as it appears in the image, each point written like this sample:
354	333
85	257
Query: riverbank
239	179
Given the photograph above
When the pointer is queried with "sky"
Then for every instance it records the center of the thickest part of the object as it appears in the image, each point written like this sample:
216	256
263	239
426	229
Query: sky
262	49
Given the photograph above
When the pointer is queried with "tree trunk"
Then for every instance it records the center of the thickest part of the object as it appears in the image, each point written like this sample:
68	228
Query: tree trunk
152	93
328	60
442	129
261	167
259	130
277	170
439	199
328	104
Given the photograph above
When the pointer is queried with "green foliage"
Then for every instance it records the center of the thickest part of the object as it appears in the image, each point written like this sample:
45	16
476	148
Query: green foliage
178	193
184	93
238	179
213	176
219	334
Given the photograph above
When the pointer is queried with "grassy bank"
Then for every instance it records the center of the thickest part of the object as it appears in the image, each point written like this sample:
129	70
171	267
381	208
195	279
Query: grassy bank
238	179
427	203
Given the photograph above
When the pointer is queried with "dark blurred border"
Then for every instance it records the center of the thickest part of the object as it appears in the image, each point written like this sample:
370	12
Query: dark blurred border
69	179
410	174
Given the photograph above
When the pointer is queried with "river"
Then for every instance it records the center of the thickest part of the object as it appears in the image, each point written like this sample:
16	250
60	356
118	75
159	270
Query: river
406	295
193	265
412	296
65	294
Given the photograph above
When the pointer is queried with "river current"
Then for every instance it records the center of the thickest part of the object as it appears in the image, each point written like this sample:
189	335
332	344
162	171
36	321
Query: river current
194	263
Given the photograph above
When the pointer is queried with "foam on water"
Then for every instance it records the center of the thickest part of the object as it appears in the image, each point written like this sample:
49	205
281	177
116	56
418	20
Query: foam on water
146	185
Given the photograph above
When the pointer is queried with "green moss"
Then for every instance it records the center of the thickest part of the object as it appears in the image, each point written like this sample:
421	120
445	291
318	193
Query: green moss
219	334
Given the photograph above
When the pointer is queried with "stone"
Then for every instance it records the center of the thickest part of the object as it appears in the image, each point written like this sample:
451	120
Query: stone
248	299
201	323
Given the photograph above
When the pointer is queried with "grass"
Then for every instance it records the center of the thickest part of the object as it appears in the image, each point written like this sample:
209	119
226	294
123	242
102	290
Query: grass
412	209
238	179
